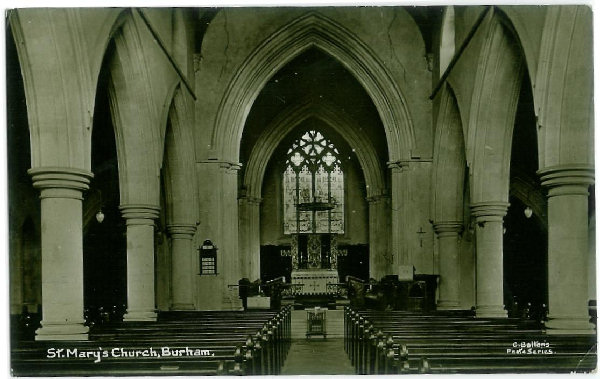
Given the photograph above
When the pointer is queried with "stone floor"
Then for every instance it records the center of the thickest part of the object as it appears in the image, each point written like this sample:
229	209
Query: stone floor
317	355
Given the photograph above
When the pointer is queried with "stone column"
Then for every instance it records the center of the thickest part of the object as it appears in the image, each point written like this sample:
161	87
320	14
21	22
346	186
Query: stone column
568	248
141	302
399	249
380	257
490	229
449	286
182	284
61	194
228	237
249	230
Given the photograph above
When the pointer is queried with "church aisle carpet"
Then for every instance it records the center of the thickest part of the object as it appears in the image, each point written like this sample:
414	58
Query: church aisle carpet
317	356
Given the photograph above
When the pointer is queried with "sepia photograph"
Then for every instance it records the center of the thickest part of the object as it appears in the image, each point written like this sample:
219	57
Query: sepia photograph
300	190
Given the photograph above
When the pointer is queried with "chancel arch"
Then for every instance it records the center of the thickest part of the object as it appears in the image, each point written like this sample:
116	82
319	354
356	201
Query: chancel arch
289	119
304	241
315	87
271	138
374	63
313	29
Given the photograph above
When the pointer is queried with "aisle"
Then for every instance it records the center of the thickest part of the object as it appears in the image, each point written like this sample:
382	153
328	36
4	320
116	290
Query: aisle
317	356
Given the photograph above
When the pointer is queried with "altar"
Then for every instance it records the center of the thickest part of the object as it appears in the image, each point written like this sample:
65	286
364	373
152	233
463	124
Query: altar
315	280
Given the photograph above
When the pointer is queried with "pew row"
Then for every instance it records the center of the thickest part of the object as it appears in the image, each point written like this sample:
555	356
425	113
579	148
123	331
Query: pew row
202	343
397	342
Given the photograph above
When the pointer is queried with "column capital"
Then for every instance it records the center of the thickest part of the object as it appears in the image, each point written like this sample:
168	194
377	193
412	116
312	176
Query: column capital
447	228
567	179
60	182
181	231
398	166
139	214
489	210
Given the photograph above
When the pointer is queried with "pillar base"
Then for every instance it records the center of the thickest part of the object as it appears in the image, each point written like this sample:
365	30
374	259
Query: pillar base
182	307
569	325
447	305
139	315
490	311
62	332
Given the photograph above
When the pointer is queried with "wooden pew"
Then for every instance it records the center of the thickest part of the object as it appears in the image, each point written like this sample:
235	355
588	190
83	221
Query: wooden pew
237	346
401	342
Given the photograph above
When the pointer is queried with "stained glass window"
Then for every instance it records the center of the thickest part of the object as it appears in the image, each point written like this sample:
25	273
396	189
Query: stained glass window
313	187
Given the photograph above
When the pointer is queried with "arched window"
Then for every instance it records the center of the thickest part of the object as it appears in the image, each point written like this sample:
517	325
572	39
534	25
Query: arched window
313	186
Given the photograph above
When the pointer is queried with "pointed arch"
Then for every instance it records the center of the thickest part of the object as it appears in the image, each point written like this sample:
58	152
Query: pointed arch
492	115
448	161
180	171
287	120
312	30
523	29
564	88
59	107
135	126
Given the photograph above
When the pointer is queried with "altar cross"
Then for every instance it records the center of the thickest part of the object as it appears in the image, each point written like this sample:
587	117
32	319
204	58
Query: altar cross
421	232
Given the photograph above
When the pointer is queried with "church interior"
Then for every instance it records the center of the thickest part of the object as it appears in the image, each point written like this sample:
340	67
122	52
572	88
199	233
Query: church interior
410	189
